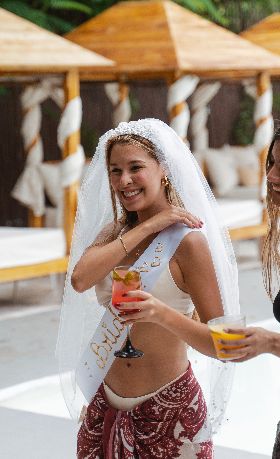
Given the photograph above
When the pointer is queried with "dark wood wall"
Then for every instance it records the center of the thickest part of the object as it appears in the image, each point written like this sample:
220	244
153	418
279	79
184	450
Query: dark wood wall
148	100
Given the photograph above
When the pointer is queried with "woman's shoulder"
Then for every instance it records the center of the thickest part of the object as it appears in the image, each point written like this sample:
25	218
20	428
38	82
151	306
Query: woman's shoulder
192	248
193	239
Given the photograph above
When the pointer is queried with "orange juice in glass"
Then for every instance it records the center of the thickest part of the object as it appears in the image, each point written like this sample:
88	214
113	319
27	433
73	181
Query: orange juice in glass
217	327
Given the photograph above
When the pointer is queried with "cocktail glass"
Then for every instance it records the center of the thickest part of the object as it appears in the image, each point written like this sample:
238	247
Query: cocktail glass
125	280
217	327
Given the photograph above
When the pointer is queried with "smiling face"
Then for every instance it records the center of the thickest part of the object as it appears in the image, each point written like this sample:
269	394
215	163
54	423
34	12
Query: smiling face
273	174
135	177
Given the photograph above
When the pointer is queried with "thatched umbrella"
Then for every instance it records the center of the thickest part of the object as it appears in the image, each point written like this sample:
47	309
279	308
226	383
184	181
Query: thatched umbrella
44	61
154	39
265	33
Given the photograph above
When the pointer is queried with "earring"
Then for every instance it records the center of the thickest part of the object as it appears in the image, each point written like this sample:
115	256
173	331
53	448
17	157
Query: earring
168	188
165	181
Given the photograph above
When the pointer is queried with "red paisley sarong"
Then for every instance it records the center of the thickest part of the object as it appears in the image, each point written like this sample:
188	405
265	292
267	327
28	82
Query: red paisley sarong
169	425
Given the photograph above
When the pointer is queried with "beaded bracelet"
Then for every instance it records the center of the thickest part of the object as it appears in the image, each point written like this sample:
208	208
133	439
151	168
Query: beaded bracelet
123	244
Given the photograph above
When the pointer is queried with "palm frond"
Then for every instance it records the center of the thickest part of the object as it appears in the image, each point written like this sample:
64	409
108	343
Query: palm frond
42	19
70	5
203	8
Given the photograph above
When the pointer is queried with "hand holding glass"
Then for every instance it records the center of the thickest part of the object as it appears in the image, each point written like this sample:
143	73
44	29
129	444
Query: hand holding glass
217	327
126	280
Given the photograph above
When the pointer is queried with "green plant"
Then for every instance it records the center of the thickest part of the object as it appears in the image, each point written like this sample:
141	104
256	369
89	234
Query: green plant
134	104
4	91
238	15
54	15
89	139
61	16
276	102
205	8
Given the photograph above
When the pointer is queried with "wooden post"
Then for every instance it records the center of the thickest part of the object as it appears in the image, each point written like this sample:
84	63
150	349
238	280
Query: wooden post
123	92
35	221
71	91
263	84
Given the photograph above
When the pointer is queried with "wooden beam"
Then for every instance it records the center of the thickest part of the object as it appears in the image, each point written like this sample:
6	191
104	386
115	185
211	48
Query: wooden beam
71	91
30	271
248	232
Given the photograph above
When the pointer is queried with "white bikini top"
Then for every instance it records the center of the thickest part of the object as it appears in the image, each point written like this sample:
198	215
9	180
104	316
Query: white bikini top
165	289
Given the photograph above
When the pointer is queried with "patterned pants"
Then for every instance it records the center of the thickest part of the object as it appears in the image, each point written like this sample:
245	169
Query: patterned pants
171	424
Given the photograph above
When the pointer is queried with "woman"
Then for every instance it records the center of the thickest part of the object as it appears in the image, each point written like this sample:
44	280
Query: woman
153	406
258	340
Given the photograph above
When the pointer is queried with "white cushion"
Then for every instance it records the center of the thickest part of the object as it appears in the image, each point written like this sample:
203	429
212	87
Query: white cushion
240	213
28	246
244	156
221	166
247	164
230	166
243	192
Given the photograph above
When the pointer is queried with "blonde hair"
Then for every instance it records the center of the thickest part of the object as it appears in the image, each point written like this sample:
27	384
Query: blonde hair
270	253
130	218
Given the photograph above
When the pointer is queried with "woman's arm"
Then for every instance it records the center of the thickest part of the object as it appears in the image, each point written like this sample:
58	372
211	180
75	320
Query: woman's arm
257	341
196	264
195	261
197	267
98	261
150	309
193	332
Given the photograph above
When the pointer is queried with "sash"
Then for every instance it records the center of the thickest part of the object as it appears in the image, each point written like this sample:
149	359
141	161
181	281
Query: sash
111	333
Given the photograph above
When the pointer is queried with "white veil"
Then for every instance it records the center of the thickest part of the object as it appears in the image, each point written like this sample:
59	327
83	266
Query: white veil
81	312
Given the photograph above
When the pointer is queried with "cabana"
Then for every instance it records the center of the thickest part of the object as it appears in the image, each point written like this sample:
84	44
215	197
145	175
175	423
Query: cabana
156	39
48	66
265	33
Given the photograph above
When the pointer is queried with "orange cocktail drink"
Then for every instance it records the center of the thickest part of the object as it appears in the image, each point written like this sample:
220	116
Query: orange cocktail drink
217	326
124	281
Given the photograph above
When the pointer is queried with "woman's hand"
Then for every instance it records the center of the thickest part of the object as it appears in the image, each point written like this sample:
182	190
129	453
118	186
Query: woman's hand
257	341
148	309
171	216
